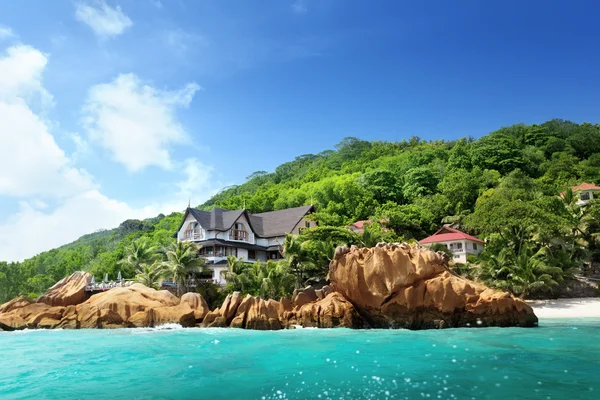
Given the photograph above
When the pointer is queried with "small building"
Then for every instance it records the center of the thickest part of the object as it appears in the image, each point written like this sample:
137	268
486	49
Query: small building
585	192
249	237
460	243
359	226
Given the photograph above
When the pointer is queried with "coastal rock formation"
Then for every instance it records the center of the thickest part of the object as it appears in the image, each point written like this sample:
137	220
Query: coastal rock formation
403	286
69	291
388	286
197	303
256	313
333	311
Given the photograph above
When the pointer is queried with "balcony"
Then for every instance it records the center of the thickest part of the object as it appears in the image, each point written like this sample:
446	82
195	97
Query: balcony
238	234
193	234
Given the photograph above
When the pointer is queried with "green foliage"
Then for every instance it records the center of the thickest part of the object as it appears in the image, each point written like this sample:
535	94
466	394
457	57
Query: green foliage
503	186
182	261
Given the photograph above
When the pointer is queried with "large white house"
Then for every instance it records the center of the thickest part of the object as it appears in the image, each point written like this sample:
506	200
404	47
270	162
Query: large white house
250	237
460	243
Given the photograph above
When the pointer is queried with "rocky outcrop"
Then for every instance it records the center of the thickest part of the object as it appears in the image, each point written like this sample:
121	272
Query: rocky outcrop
333	311
256	313
197	303
68	291
403	286
389	286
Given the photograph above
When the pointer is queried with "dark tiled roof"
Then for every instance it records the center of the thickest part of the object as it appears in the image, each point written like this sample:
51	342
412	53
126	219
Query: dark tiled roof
278	223
216	219
268	224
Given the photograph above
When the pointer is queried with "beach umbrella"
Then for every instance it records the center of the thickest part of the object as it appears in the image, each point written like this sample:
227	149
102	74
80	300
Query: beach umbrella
119	278
106	277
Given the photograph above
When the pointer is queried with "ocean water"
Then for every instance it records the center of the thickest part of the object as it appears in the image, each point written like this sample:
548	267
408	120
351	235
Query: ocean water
558	360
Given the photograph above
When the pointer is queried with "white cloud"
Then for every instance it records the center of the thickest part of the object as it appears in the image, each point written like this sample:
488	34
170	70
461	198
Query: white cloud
59	202
299	7
197	186
22	68
136	122
6	32
31	231
104	20
30	160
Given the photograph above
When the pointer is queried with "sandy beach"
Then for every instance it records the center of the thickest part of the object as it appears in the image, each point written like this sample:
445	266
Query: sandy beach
567	308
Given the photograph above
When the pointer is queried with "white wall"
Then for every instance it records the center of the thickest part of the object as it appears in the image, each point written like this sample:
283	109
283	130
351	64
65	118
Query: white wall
467	248
190	218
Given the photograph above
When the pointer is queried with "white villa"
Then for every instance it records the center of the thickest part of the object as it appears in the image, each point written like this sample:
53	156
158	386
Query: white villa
586	192
460	243
250	237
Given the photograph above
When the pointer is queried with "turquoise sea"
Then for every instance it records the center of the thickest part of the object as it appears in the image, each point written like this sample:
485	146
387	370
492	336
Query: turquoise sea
558	360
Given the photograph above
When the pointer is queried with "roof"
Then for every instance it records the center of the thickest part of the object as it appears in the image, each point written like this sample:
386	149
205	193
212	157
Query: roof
447	234
267	224
360	224
278	223
585	186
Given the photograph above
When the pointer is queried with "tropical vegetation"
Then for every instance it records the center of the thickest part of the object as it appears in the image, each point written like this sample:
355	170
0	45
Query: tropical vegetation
504	187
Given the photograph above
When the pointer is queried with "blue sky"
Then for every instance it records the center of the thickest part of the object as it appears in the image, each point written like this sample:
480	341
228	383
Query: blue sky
115	109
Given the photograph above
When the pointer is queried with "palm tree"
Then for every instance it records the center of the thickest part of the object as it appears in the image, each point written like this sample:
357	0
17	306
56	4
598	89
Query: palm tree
139	252
235	274
182	261
278	282
151	275
296	259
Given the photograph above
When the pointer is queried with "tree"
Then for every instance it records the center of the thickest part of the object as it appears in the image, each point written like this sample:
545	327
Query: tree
139	252
151	275
234	275
278	281
182	261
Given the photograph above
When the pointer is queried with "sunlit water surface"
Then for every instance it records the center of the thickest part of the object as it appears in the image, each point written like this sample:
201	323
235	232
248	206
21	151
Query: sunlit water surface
558	360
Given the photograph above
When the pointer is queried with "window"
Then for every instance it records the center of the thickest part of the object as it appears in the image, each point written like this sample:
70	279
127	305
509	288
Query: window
474	246
193	231
584	196
456	257
251	254
307	224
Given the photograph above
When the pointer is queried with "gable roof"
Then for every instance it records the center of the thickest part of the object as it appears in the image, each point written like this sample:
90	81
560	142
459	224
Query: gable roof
585	186
268	224
446	234
278	223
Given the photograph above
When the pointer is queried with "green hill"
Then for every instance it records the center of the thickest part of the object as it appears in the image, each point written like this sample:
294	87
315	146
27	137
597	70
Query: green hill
492	186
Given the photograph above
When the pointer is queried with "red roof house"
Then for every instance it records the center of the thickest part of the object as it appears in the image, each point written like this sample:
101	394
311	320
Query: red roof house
461	244
447	234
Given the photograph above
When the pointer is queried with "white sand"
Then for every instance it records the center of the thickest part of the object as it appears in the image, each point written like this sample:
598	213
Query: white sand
567	308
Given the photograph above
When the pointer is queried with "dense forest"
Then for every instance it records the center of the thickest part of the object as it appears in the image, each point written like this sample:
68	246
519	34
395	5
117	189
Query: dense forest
503	187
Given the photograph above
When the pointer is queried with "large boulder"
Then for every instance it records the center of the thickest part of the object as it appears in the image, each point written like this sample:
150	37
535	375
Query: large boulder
230	306
304	296
127	301
12	322
68	291
197	303
403	286
334	311
16	303
257	313
181	314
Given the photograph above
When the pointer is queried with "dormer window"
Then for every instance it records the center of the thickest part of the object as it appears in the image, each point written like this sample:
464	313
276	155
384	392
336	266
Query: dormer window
238	232
193	231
